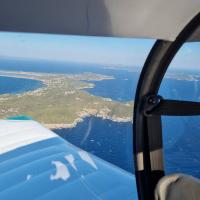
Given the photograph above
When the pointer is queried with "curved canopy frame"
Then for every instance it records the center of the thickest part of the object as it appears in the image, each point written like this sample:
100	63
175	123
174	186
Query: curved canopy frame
148	137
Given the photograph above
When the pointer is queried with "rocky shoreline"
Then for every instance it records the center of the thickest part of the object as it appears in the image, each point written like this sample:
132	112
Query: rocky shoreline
81	119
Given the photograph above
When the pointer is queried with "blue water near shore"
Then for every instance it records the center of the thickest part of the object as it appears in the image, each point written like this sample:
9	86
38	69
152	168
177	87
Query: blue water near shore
122	88
11	85
109	140
112	141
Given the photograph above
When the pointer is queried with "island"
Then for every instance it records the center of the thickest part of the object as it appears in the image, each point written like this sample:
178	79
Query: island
62	102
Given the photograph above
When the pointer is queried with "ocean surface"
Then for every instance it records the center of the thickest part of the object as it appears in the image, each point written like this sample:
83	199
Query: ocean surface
13	85
109	140
112	141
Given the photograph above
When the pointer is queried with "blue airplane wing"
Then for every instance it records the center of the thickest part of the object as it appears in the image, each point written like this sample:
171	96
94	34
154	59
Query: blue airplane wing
35	163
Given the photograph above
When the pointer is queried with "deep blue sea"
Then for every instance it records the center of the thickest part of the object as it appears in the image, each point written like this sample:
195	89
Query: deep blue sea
18	85
112	141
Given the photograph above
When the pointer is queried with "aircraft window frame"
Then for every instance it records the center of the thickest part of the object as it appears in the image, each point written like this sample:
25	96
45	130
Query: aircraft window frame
148	143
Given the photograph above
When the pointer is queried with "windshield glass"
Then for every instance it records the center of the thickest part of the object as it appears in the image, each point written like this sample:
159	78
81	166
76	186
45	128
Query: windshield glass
181	134
81	88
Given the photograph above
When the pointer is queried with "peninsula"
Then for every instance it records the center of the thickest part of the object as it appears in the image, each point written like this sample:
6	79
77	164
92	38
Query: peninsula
62	102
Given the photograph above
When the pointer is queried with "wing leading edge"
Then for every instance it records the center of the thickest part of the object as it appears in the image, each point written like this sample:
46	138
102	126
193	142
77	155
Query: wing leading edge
37	164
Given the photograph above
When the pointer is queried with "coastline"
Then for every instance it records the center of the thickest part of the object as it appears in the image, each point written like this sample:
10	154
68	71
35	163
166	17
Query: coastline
68	89
88	113
80	120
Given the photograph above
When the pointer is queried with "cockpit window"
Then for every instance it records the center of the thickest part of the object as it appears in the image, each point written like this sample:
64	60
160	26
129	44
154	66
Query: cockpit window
181	134
82	88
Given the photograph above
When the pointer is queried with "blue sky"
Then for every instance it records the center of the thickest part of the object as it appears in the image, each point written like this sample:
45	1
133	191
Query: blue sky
75	48
188	56
108	51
